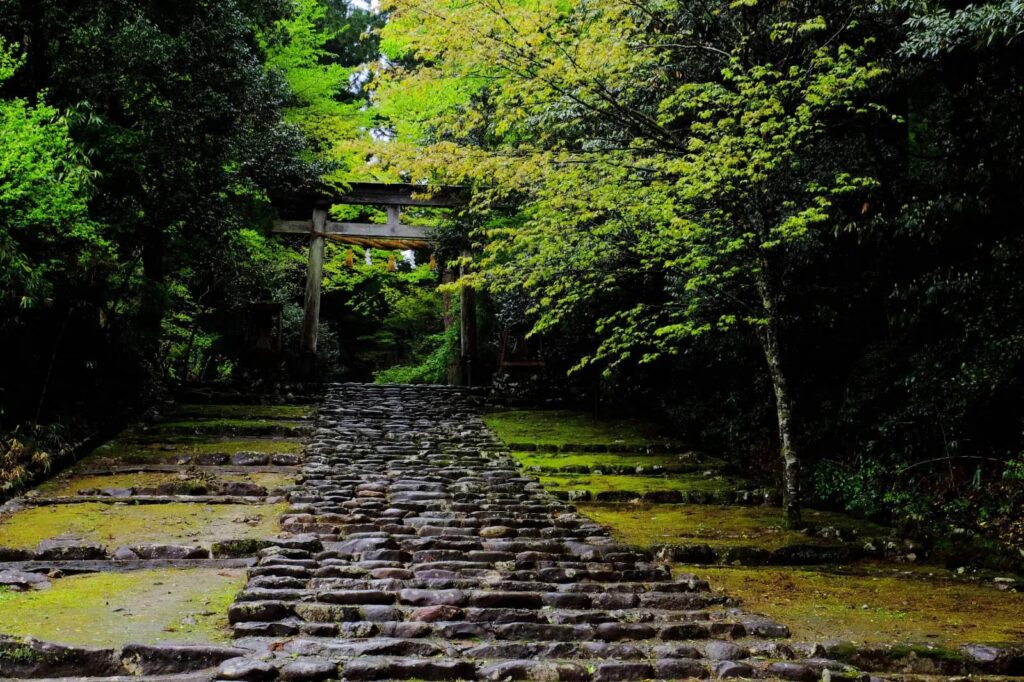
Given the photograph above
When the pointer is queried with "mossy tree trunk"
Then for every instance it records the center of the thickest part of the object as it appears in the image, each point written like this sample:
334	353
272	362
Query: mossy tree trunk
770	344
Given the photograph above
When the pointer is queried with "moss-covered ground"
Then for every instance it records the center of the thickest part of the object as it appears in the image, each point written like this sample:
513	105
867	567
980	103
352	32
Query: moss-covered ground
70	485
612	463
114	525
224	426
243	411
112	609
717	526
562	428
125	450
875	608
601	483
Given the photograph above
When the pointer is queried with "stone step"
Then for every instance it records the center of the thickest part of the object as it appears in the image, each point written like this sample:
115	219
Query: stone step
440	559
260	618
150	499
441	667
205	676
355	577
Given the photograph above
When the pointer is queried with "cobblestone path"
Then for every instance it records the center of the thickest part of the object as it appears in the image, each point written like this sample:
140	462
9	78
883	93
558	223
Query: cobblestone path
419	551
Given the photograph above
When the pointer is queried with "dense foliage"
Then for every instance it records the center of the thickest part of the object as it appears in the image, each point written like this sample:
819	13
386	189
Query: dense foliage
790	224
794	228
140	146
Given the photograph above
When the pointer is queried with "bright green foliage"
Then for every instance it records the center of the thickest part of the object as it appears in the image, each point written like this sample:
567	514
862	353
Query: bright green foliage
392	318
671	165
44	193
138	255
326	100
433	356
706	182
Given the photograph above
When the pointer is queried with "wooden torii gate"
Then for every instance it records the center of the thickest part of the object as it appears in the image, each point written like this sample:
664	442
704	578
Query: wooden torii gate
392	234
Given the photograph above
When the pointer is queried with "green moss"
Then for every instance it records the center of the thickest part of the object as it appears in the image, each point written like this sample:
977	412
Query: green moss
268	481
561	427
19	653
244	411
112	525
613	463
600	483
70	485
717	526
843	650
269	446
877	609
224	427
228	549
111	609
124	450
922	651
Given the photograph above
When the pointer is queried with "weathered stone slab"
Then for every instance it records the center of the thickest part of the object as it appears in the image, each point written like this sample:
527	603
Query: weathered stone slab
33	658
20	581
175	658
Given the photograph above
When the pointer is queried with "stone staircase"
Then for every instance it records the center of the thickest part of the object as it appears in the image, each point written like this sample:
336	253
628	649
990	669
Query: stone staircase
418	550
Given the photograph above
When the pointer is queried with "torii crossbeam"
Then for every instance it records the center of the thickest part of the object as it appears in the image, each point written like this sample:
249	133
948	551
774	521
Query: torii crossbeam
392	234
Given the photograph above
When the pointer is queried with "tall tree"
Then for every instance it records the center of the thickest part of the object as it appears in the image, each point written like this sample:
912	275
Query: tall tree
321	49
173	98
45	185
682	155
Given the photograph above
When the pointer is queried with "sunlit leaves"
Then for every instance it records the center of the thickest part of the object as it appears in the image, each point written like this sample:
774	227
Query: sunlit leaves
326	101
45	185
646	165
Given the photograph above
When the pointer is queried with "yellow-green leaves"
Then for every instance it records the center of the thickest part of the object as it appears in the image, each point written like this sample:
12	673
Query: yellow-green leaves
10	60
654	171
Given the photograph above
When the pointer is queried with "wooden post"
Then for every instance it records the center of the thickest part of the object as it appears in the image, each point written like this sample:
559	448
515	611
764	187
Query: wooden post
454	364
467	328
314	277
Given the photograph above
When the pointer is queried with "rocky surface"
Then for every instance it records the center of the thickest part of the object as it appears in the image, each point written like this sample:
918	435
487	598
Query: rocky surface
419	551
414	548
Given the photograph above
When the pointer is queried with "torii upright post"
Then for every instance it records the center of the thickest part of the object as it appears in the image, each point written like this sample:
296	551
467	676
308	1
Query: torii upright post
314	279
454	368
467	328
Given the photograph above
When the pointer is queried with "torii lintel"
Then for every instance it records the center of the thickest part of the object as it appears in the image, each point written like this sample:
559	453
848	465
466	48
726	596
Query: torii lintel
391	234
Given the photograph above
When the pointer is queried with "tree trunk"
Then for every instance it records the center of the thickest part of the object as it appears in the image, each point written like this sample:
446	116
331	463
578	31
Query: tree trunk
314	283
455	361
467	329
769	333
153	303
153	253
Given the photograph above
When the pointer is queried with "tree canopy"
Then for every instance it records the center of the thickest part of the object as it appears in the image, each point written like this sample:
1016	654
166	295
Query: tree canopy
789	229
